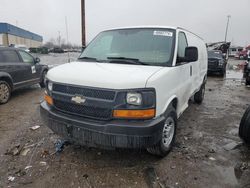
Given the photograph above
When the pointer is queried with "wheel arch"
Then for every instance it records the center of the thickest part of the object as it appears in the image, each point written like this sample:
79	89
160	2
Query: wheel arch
205	78
44	69
6	77
172	101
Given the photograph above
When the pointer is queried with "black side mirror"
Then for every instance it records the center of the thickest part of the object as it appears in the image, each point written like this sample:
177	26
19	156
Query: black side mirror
191	54
37	60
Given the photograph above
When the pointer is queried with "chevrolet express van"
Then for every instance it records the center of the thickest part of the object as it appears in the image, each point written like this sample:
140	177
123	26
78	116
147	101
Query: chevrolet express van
127	89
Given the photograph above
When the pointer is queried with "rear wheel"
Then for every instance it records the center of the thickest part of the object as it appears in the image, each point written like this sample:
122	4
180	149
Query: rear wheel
164	146
244	129
199	95
247	81
5	92
42	83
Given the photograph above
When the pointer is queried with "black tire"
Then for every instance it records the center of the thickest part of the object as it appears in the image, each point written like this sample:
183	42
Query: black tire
199	95
247	82
162	148
42	83
244	129
5	92
223	72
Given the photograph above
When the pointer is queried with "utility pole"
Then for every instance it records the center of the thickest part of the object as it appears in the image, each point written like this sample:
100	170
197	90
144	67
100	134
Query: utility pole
83	23
59	38
67	33
228	18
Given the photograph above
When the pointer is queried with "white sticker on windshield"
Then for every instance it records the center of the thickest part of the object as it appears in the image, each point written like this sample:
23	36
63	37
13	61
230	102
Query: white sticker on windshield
163	33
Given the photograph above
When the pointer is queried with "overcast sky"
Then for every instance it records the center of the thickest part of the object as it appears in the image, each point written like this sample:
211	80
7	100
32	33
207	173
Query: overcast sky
206	18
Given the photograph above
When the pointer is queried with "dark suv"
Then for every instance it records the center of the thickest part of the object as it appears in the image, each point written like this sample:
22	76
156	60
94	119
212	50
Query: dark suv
247	73
216	62
18	69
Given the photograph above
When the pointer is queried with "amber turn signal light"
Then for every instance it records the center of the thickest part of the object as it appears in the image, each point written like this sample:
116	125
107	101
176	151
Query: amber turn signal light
134	114
48	99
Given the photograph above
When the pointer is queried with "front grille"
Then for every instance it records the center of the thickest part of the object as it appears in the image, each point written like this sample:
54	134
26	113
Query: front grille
212	64
85	111
86	92
98	105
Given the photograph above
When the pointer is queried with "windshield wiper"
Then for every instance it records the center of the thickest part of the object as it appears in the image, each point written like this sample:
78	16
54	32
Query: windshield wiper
126	60
88	58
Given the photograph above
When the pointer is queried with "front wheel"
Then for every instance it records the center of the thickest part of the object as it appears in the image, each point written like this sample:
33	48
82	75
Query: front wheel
164	146
223	72
244	129
42	83
199	95
5	92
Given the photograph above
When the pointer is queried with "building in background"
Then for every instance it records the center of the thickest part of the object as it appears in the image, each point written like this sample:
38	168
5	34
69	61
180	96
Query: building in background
12	35
234	51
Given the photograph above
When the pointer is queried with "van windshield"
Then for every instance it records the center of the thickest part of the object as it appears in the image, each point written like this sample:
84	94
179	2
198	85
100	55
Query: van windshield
133	46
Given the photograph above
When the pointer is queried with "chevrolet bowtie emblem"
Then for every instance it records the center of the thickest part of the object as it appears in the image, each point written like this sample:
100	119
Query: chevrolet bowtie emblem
78	99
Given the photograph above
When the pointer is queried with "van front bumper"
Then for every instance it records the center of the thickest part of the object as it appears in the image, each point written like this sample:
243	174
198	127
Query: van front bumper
114	134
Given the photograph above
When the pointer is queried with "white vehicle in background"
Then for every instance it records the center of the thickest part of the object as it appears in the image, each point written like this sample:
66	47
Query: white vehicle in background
127	89
22	47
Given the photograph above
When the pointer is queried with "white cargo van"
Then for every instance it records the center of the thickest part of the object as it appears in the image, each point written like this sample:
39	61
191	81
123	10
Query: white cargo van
127	89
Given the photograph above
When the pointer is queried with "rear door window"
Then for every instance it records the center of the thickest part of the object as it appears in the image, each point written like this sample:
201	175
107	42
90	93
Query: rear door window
9	56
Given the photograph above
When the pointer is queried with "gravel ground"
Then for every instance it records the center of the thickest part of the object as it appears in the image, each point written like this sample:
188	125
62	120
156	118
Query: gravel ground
207	153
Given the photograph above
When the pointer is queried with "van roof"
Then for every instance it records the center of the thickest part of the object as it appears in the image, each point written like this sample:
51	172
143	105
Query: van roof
154	26
143	26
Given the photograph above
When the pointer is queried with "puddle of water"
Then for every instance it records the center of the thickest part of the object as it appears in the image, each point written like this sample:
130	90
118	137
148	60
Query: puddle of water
233	74
228	175
234	131
232	145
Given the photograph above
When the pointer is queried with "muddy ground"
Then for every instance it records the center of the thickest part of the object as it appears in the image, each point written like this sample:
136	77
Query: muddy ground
207	153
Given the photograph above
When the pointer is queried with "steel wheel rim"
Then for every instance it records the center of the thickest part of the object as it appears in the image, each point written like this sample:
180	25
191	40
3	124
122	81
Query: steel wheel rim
168	132
4	93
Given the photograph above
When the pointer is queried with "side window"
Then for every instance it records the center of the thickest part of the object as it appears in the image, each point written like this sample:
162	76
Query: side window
9	56
182	44
26	57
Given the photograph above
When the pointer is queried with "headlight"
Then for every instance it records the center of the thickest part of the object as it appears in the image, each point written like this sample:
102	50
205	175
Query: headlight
221	63
50	86
134	99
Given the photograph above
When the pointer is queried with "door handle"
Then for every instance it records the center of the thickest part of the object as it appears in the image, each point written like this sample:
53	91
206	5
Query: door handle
191	70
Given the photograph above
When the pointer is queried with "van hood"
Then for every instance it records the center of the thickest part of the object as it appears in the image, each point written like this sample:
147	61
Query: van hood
102	75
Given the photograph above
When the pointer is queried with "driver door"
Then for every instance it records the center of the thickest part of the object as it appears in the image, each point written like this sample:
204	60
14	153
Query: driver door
185	70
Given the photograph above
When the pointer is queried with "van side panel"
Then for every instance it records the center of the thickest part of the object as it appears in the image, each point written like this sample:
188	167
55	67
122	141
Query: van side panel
170	83
199	67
